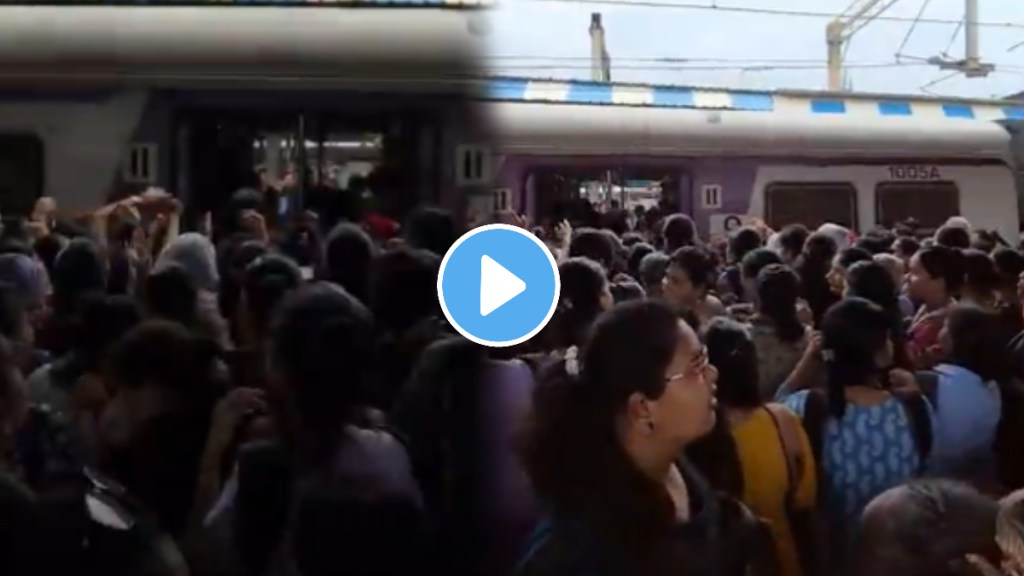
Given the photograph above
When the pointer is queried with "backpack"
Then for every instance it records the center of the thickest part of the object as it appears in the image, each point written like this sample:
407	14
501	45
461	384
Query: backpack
915	406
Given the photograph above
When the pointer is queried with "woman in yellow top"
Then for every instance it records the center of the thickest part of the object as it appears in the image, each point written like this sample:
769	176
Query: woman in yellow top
759	453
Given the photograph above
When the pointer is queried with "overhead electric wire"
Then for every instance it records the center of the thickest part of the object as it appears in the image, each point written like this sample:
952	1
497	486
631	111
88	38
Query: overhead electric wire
913	26
657	59
952	38
762	11
685	67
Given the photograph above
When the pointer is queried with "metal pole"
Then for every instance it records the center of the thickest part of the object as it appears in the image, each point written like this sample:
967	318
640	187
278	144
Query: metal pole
971	51
834	40
598	53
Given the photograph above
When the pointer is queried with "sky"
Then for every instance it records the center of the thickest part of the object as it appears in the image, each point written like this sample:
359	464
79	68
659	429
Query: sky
732	49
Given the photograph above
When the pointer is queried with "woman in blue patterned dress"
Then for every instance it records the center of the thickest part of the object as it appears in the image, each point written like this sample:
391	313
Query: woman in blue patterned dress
865	440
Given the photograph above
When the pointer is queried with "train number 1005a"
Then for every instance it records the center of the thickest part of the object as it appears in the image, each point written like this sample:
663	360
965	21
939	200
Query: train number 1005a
914	173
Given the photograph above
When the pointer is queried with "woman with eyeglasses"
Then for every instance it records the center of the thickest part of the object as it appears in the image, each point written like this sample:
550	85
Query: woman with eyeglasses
602	451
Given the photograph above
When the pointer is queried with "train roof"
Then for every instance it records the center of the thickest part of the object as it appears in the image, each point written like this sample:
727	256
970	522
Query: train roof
223	44
784	102
536	128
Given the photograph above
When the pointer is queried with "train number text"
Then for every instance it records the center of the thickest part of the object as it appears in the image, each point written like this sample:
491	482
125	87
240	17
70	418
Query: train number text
914	173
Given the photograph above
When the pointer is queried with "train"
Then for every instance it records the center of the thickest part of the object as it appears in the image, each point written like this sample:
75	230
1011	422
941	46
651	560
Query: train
95	100
726	156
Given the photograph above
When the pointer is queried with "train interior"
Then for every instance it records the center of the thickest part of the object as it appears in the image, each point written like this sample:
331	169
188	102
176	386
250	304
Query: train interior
567	192
305	154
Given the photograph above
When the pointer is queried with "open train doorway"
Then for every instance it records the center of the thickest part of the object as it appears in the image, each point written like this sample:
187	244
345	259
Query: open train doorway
338	166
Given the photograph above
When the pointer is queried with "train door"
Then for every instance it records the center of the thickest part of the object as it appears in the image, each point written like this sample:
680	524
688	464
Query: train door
220	151
22	172
312	159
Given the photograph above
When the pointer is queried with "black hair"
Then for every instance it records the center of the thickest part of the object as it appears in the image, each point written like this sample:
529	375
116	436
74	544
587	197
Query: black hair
79	269
873	282
571	452
678	230
743	242
322	344
778	290
792	238
630	239
166	354
171	295
652	269
47	248
619	253
813	266
732	352
849	256
440	407
403	288
926	528
13	313
874	243
907	245
267	280
1009	264
854	331
595	245
979	342
348	257
953	237
944	263
756	260
233	255
162	458
431	229
698	265
980	273
637	252
102	320
579	301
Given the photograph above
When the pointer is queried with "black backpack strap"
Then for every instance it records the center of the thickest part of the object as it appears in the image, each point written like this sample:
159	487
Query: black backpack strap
789	439
814	418
919	417
928	382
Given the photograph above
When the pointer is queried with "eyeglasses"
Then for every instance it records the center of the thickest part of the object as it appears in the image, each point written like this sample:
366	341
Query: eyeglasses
697	367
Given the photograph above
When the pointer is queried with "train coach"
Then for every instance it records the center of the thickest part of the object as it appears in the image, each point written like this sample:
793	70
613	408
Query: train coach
727	156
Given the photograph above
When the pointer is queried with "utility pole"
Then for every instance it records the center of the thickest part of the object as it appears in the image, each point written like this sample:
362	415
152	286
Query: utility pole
971	66
600	62
857	15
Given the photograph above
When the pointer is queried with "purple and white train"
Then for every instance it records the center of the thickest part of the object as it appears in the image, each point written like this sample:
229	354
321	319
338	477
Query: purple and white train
96	98
722	156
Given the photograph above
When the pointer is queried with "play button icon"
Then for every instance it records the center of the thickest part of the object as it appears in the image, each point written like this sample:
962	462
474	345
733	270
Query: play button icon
498	285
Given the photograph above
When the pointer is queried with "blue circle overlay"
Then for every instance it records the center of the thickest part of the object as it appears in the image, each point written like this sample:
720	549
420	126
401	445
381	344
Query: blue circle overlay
519	252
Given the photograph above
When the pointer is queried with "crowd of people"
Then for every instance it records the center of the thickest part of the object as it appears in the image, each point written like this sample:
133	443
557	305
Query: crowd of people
286	399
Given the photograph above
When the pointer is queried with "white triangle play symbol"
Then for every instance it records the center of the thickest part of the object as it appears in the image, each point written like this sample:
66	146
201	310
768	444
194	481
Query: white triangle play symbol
497	285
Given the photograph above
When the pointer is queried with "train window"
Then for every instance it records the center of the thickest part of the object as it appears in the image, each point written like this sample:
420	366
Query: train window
930	203
22	173
810	203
